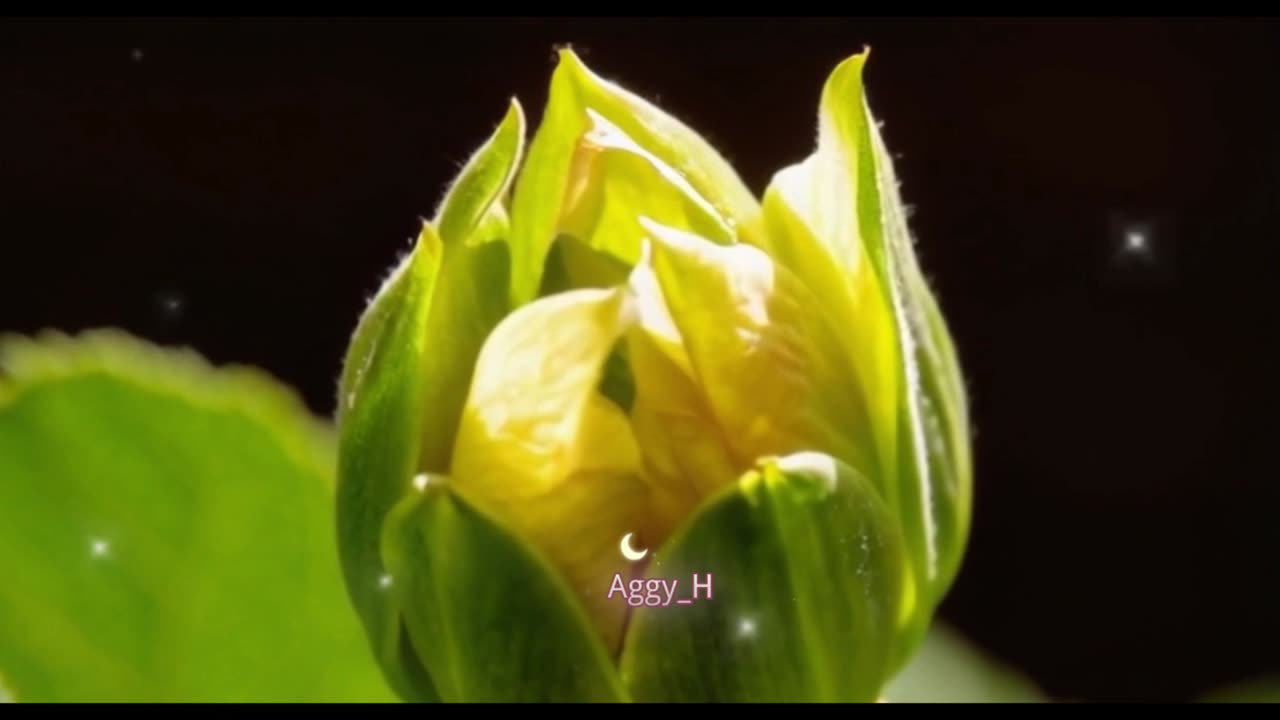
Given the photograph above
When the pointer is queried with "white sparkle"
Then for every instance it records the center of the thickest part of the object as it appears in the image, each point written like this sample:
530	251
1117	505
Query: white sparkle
136	54
746	628
171	304
420	482
385	581
1135	241
99	548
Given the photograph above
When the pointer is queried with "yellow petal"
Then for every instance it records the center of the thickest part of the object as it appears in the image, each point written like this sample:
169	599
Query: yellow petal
765	350
668	138
539	445
821	220
686	455
852	295
824	190
613	182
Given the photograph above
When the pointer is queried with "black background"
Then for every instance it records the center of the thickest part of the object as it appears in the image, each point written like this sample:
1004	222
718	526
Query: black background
242	186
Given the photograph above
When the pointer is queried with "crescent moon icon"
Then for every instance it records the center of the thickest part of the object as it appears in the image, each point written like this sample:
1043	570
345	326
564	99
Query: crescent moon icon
628	552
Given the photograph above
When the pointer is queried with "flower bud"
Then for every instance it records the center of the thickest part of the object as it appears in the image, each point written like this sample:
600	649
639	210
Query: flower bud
608	343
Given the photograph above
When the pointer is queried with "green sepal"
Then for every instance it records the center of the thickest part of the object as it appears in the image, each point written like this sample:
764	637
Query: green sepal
579	101
489	618
806	570
406	375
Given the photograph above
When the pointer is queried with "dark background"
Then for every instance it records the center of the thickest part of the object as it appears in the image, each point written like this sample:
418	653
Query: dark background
242	186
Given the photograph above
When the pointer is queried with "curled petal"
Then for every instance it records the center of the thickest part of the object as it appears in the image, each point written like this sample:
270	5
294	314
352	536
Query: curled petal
542	447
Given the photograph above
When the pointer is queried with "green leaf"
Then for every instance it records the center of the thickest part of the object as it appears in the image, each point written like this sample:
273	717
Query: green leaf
406	376
490	619
1258	690
631	133
950	669
807	576
167	534
484	180
540	187
412	359
6	695
935	409
381	421
933	430
846	194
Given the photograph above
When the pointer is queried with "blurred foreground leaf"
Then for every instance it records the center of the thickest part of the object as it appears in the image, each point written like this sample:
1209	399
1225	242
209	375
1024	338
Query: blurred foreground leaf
949	669
1264	689
166	533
